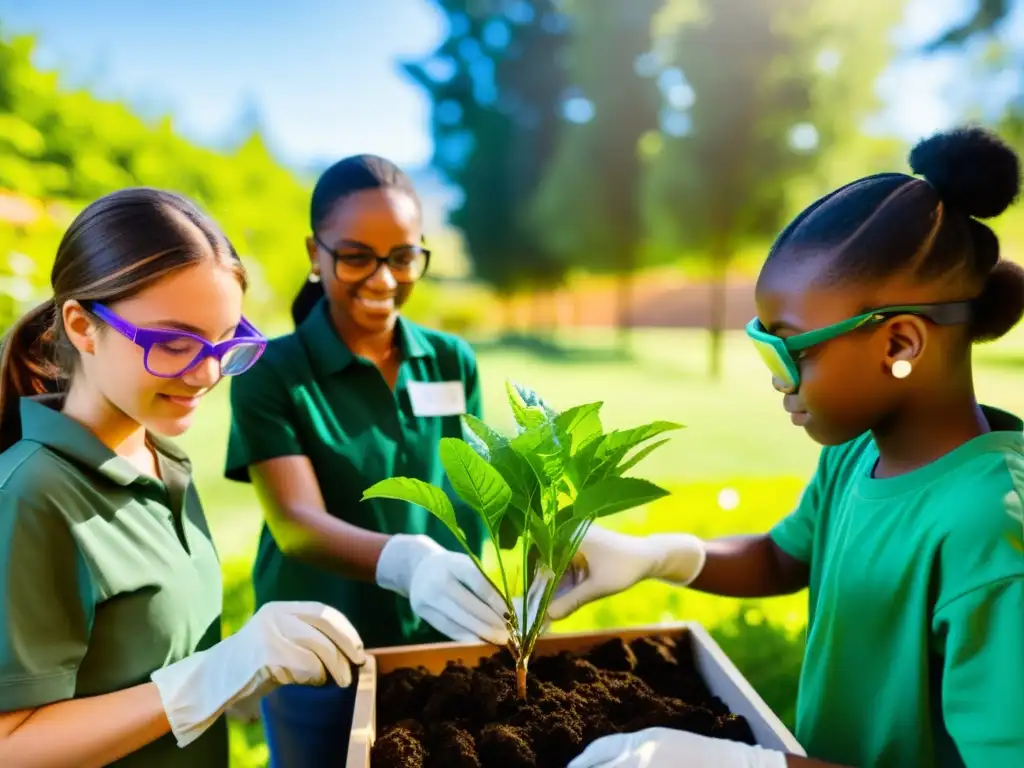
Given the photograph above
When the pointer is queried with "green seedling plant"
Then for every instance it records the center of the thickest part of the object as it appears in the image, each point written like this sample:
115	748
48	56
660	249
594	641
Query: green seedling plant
537	491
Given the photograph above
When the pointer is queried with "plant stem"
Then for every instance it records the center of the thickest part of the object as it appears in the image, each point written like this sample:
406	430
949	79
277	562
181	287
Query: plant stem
521	664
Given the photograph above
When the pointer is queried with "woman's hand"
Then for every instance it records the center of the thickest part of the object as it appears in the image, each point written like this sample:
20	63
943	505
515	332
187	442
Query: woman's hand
666	748
283	643
445	589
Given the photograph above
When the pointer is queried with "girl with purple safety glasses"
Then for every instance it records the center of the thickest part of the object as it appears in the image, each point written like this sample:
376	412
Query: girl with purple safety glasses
110	585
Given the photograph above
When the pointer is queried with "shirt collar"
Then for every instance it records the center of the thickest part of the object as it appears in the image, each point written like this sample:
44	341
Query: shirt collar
330	354
42	422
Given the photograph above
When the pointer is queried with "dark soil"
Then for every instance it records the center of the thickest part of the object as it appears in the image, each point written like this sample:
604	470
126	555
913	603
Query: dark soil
470	718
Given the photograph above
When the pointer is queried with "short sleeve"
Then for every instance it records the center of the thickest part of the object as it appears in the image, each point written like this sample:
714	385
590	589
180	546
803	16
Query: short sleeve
795	533
47	610
981	638
262	421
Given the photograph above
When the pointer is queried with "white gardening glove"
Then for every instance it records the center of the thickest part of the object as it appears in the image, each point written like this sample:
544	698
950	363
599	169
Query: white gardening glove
667	748
608	562
283	643
445	589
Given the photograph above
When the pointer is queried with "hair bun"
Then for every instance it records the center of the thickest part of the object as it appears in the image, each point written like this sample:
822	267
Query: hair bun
971	168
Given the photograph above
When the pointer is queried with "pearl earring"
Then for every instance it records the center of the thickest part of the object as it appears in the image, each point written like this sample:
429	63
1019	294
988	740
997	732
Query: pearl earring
314	277
901	369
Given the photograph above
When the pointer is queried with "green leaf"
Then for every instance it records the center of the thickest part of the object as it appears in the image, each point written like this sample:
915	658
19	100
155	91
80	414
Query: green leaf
614	494
526	494
414	491
540	535
581	423
639	456
510	529
583	462
493	440
533	400
630	438
527	416
520	477
541	538
600	458
546	448
478	483
474	442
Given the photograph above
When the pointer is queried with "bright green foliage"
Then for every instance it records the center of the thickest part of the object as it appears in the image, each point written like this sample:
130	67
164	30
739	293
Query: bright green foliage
767	97
496	86
61	148
537	490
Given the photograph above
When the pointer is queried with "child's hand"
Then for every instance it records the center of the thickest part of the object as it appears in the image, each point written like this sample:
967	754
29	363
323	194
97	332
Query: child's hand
666	748
608	563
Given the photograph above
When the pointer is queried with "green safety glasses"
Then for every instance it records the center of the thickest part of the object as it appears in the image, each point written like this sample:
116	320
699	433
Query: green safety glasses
781	355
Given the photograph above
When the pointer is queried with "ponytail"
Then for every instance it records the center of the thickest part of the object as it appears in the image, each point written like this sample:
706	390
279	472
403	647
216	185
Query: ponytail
116	246
308	296
28	366
1001	304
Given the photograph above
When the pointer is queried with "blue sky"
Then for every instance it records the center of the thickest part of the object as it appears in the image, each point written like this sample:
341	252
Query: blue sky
323	73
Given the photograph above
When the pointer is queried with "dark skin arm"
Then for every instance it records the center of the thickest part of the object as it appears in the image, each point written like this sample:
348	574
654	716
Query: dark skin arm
755	566
297	516
794	761
750	566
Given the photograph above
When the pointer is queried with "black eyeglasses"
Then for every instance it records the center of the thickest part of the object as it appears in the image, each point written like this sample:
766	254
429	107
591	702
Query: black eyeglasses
355	262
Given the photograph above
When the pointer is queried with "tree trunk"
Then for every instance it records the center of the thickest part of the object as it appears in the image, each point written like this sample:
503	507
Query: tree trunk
716	326
624	300
537	314
508	304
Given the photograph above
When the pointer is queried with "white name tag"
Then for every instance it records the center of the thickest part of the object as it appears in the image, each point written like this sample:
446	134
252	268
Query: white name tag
437	398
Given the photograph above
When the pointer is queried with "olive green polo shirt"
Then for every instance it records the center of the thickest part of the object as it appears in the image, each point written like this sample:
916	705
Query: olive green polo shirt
309	395
106	574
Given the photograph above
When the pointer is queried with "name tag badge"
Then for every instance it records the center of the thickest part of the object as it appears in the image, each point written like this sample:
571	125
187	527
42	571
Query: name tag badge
437	398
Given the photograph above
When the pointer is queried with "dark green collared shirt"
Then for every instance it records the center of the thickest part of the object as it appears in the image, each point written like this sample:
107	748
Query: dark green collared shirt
309	395
106	574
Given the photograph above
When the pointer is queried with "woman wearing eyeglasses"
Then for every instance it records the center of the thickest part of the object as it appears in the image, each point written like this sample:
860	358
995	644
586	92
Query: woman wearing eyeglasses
358	393
110	643
910	534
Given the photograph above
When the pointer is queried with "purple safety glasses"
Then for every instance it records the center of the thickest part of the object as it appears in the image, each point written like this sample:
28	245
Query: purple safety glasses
170	353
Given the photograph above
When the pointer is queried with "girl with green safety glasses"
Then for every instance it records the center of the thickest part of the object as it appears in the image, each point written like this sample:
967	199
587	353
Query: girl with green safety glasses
910	534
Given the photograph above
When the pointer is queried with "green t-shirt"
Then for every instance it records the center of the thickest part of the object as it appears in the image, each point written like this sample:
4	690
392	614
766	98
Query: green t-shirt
915	641
106	575
309	395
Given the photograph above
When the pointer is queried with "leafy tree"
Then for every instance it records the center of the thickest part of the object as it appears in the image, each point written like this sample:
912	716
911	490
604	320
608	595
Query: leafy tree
589	209
63	148
986	17
760	95
495	85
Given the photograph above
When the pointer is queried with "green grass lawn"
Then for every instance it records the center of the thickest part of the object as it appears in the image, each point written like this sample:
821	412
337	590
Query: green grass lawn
737	467
736	429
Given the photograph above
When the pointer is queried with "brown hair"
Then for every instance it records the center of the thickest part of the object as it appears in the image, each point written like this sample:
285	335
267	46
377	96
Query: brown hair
116	247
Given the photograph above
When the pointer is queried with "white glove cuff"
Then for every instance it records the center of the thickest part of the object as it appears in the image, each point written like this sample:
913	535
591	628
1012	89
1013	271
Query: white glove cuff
759	757
399	559
677	558
183	690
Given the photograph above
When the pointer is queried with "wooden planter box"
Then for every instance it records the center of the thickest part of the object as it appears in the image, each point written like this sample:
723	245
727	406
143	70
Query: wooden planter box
722	677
